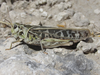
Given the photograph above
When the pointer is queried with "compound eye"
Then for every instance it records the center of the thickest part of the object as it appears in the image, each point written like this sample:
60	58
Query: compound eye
15	26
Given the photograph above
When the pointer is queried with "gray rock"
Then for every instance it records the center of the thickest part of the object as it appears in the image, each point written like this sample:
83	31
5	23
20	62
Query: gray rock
53	2
67	5
35	22
20	5
44	14
36	13
41	10
12	15
98	51
31	10
49	16
32	5
87	47
42	2
2	58
2	40
97	11
23	15
64	15
4	7
60	6
16	61
63	6
41	63
80	20
70	12
60	16
16	66
73	64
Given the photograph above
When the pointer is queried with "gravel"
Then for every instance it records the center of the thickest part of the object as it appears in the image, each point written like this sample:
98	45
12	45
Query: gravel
82	58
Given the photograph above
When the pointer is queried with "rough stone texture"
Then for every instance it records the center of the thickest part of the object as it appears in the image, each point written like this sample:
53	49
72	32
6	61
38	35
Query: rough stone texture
97	11
80	20
90	47
39	63
22	59
4	7
89	7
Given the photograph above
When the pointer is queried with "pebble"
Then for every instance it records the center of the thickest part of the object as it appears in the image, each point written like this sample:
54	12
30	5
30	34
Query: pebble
80	20
64	15
63	6
66	1
87	47
36	13
58	50
4	7
49	16
54	2
51	2
21	4
44	14
23	14
70	13
31	10
97	11
61	16
41	2
60	6
98	51
67	5
12	15
35	22
41	10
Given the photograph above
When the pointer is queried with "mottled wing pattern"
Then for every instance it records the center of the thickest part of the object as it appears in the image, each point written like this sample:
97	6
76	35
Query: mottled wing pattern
65	34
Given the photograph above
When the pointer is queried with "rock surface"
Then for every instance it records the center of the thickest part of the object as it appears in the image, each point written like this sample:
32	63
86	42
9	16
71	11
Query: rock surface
22	59
39	63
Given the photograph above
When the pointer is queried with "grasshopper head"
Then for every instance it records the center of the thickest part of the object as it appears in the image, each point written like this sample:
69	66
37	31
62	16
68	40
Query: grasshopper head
18	28
15	28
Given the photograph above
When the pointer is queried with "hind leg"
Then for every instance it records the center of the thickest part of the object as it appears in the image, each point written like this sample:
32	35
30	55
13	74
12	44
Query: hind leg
13	43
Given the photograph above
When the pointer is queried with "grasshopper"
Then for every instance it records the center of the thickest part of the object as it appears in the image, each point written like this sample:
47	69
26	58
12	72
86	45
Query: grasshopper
46	37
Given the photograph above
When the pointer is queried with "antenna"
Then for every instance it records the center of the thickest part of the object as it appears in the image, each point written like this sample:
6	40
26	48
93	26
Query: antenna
9	24
5	23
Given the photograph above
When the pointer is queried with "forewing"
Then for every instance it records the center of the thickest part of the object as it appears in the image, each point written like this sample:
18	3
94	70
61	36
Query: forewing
60	33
